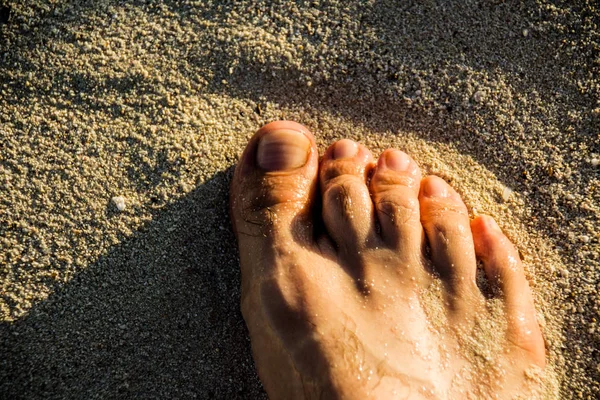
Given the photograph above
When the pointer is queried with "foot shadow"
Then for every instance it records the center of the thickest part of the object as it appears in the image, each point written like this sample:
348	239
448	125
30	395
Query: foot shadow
157	316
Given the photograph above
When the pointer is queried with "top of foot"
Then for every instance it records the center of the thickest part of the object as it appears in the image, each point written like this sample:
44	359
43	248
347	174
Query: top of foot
358	278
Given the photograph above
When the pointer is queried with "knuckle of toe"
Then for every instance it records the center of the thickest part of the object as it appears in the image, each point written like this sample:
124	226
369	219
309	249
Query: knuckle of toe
260	205
343	191
440	213
399	209
388	179
450	231
341	169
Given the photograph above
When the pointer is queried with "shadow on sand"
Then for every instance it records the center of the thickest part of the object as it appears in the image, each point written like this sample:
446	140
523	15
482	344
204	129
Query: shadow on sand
157	316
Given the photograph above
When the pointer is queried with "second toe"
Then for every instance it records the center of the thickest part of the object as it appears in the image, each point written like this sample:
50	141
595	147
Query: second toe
347	205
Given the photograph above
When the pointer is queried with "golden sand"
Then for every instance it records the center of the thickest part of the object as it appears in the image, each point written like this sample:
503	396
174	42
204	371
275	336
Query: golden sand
151	104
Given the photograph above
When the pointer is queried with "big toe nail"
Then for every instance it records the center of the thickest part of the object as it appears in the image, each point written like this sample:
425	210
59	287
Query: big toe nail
283	149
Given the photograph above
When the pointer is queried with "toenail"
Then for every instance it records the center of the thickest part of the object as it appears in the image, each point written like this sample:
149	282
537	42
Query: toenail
436	187
345	148
282	149
491	224
397	161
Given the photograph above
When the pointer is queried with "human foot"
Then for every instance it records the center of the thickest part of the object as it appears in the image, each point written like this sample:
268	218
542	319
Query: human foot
358	278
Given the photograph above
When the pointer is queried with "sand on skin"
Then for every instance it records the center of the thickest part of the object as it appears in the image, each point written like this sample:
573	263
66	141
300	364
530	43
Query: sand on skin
154	103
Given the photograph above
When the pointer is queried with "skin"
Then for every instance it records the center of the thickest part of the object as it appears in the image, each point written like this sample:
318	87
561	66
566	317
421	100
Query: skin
358	278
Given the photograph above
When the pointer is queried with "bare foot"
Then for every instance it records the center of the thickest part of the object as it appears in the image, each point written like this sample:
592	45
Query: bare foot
358	278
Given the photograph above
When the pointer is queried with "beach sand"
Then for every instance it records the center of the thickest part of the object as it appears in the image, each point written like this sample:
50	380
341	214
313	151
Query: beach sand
121	123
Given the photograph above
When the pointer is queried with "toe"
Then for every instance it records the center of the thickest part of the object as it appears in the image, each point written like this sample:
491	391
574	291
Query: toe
347	205
503	268
395	190
274	183
445	219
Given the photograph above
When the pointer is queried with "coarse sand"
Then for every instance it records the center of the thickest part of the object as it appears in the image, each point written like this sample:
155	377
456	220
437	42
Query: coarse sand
121	122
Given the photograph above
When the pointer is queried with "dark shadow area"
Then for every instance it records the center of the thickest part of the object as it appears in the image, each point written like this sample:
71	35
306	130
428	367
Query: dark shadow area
156	317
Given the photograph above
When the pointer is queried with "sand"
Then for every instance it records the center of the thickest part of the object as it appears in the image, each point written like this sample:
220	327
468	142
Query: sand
151	104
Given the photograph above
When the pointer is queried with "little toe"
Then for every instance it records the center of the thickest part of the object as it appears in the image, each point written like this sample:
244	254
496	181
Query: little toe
395	190
445	219
347	205
503	268
275	182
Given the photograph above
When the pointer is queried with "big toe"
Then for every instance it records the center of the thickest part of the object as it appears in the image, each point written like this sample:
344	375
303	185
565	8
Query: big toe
274	182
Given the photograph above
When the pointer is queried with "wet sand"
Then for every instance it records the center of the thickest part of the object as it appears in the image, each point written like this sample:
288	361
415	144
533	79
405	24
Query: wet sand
137	297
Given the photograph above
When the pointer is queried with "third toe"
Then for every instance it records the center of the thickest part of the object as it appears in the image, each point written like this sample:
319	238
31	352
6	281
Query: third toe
395	189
